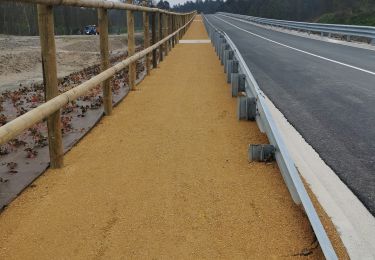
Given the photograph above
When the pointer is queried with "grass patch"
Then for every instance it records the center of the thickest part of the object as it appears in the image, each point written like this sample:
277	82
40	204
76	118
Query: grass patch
360	18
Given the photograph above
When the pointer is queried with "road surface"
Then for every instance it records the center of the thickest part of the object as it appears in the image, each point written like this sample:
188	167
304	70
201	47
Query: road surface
325	90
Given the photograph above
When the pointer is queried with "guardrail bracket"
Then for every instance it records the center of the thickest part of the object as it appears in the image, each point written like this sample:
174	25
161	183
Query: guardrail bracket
261	153
247	108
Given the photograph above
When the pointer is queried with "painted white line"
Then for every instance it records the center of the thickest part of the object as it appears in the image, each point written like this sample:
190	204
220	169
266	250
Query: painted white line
316	37
194	41
296	49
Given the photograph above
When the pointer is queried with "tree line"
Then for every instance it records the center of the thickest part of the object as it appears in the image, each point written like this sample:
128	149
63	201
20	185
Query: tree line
299	10
21	19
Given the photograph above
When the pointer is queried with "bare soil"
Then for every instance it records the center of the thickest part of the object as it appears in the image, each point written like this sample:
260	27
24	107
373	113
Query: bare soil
26	157
20	58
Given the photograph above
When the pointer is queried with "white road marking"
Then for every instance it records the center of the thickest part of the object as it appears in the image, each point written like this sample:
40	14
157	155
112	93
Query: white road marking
195	41
299	50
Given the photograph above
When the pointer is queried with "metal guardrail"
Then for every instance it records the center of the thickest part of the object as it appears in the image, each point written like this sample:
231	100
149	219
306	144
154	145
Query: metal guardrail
322	28
223	44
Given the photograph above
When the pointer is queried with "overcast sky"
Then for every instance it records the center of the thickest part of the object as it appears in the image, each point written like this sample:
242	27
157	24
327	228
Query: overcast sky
171	2
174	2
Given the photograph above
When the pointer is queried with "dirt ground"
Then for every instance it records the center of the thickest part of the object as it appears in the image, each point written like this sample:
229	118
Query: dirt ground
20	61
166	176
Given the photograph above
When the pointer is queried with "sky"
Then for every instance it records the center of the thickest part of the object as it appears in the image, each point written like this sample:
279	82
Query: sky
171	2
175	2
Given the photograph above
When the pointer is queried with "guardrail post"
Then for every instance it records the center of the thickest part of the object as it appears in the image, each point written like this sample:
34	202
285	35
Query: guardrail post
228	55
146	31
48	50
238	83
220	43
154	40
131	45
215	38
161	54
221	51
225	59
224	46
104	64
232	68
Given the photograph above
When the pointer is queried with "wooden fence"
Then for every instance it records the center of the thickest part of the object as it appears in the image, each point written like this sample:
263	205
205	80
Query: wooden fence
168	31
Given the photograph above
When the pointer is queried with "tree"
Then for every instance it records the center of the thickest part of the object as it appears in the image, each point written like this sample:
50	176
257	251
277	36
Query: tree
163	5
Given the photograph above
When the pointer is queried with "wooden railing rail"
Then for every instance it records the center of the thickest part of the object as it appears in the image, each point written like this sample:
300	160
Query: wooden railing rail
99	4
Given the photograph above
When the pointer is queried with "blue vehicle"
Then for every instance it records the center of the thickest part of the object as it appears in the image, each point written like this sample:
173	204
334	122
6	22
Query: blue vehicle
90	30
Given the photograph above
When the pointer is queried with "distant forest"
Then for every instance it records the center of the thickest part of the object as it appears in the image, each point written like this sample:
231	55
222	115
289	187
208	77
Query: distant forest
21	19
330	11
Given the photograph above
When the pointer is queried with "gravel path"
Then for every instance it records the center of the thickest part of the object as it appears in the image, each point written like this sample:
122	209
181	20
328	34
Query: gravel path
165	177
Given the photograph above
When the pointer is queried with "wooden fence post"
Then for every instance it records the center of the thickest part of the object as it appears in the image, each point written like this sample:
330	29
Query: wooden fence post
146	24
180	25
48	50
161	49
175	28
170	31
131	45
165	33
154	60
184	22
104	64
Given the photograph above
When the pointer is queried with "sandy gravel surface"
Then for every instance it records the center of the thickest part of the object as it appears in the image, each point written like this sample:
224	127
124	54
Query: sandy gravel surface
165	177
20	61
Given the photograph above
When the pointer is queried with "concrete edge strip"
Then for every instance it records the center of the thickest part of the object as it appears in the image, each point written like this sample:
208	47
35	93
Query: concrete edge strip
354	223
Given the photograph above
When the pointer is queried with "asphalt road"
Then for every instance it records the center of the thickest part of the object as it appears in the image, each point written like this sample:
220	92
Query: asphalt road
325	90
